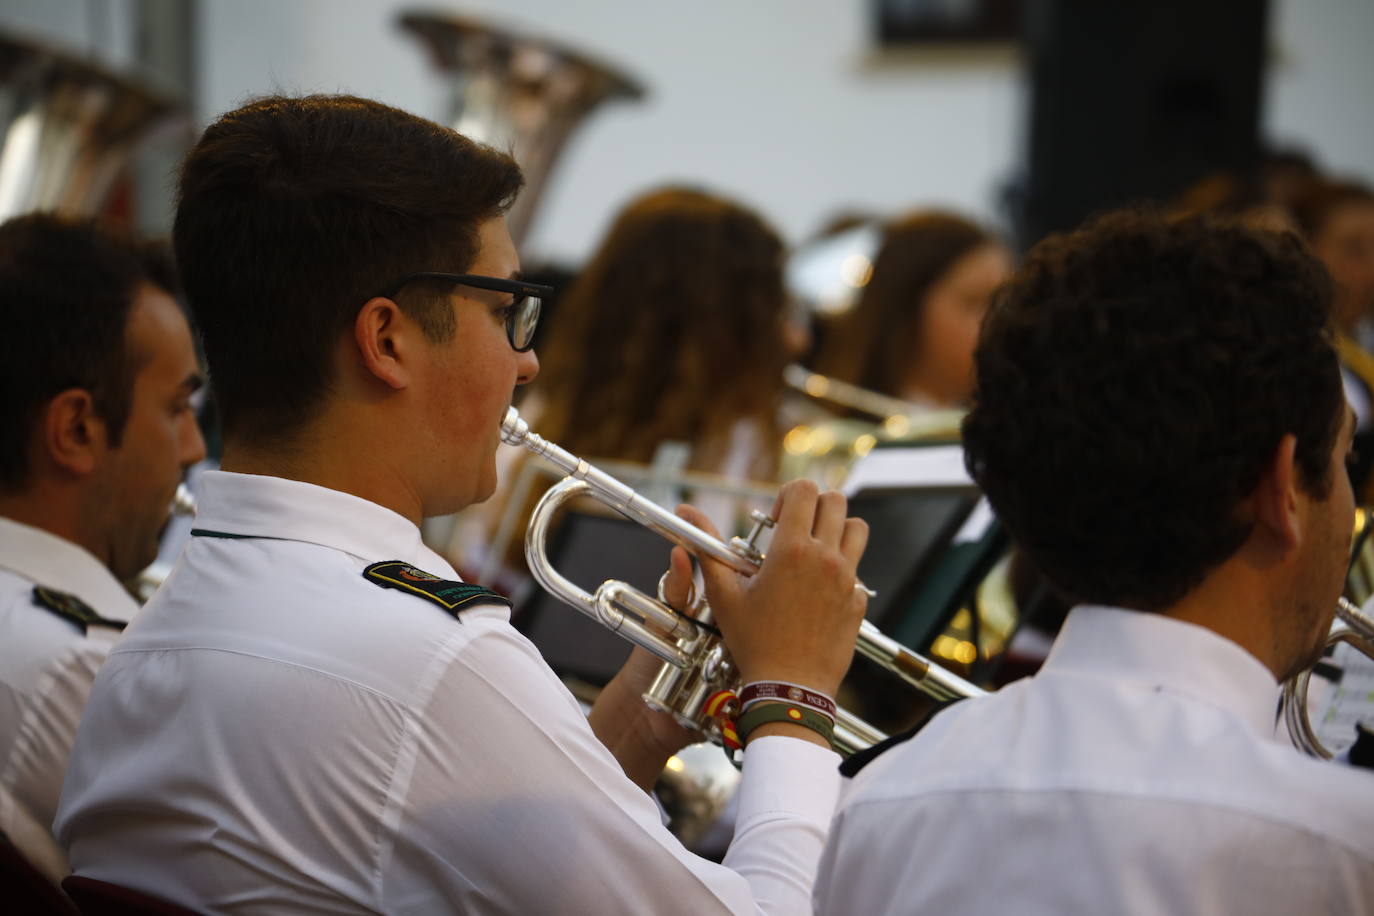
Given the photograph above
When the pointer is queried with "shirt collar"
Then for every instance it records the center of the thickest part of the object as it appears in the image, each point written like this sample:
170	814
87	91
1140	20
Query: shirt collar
1163	652
54	562
256	505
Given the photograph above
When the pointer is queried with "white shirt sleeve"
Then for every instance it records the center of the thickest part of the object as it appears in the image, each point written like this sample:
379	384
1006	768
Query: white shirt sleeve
509	804
35	763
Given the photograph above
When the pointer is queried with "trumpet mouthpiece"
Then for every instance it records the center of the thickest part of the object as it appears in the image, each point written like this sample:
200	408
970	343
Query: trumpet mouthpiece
183	502
513	429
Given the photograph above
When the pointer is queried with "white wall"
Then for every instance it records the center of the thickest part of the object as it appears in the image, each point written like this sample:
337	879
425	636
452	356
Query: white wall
776	101
1320	93
769	100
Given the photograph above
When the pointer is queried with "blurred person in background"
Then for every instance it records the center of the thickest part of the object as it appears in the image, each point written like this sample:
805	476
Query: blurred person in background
1337	218
912	332
675	334
97	369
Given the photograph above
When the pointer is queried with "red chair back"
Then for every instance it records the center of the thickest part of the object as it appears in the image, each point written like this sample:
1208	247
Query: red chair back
101	898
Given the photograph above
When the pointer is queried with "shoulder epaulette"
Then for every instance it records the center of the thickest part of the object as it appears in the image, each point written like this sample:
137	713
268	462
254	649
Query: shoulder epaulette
856	762
450	595
72	608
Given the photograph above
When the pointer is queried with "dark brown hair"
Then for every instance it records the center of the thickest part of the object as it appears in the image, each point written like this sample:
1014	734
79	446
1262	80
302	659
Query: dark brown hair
293	212
1319	198
872	345
66	290
672	332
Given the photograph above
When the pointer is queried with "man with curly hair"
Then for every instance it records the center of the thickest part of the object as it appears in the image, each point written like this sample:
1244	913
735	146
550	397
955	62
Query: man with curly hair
1160	423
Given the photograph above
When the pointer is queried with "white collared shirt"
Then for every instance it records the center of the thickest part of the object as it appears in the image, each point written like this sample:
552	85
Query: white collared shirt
278	734
1136	773
46	667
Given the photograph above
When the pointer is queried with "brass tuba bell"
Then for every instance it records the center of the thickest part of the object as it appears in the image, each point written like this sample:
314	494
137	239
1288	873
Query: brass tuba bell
517	92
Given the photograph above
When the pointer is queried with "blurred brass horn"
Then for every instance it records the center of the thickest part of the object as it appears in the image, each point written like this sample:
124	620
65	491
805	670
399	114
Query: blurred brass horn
1352	625
68	127
517	92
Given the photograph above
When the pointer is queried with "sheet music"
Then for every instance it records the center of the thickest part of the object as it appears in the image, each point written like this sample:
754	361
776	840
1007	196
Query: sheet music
1340	706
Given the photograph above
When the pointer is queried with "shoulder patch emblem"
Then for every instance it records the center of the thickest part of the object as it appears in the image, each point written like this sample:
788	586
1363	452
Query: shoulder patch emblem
450	595
72	608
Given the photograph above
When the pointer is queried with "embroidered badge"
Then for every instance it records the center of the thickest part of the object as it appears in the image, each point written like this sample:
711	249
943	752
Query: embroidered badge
72	608
449	595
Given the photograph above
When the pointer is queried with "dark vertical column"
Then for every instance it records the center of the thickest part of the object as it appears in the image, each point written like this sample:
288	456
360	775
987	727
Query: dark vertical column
1133	101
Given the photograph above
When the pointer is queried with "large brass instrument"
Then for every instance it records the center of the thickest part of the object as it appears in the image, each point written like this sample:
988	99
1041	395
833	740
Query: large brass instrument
1353	626
517	92
697	664
68	127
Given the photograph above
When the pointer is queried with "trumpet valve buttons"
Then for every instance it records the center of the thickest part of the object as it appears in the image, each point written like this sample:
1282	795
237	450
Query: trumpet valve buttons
747	546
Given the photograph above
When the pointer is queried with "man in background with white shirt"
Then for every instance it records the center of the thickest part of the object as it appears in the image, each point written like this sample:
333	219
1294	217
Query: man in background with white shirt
313	714
1160	424
97	370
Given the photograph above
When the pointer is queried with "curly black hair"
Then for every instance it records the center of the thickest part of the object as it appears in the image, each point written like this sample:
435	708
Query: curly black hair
1133	380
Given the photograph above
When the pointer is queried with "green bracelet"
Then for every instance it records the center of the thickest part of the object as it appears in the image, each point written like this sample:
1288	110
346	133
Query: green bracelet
763	713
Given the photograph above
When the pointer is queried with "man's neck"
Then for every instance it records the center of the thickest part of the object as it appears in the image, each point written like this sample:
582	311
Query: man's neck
56	511
1239	605
333	462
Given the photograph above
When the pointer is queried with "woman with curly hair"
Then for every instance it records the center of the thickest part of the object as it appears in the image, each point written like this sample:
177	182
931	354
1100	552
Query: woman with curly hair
672	334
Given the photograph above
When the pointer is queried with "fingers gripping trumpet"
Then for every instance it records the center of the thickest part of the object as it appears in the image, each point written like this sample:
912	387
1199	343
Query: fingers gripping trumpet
697	664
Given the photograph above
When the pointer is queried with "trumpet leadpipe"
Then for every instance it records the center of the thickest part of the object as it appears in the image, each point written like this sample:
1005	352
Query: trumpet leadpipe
618	496
741	555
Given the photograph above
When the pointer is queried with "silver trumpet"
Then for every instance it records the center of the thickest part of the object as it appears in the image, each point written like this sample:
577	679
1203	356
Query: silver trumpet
697	663
824	388
1353	626
145	583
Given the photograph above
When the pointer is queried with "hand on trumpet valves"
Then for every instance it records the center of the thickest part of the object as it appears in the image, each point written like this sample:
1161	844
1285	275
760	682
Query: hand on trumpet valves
640	738
797	619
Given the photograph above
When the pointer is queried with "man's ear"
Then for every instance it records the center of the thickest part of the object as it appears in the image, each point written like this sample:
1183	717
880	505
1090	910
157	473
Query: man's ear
74	435
380	334
1276	496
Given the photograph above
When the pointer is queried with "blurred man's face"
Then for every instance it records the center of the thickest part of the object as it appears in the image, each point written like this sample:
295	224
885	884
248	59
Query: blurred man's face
136	483
1325	558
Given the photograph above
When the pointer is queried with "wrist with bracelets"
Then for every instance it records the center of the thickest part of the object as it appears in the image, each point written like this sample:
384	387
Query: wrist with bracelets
786	692
773	711
764	702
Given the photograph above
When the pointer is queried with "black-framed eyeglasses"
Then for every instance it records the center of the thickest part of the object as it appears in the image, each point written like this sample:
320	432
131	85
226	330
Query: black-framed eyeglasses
522	315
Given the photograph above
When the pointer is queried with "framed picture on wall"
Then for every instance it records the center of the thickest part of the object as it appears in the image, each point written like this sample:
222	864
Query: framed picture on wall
904	23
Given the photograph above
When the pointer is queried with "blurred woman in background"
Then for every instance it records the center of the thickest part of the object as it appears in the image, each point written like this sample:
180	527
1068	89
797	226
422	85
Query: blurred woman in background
1337	218
911	334
674	334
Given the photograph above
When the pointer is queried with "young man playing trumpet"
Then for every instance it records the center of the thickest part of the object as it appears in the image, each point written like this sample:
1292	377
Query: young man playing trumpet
1160	423
313	714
